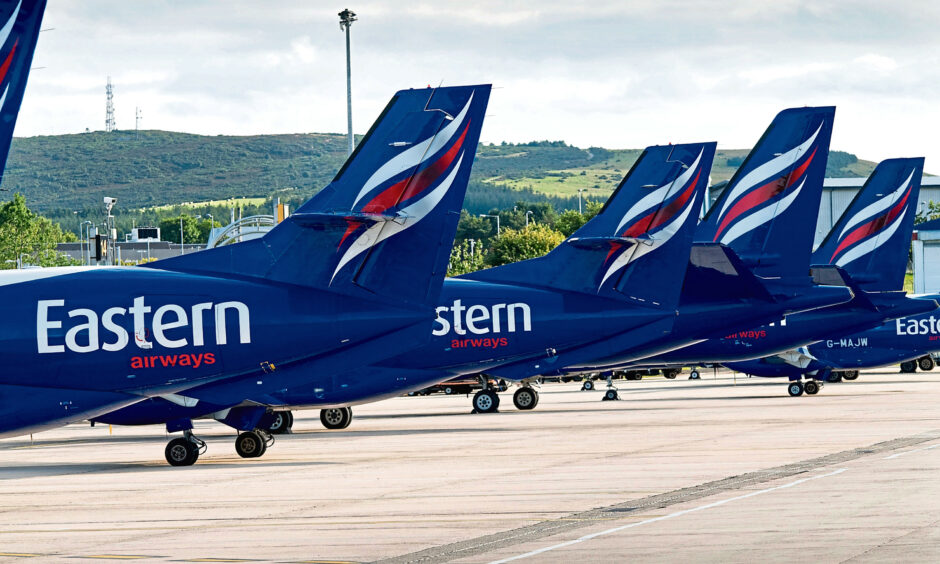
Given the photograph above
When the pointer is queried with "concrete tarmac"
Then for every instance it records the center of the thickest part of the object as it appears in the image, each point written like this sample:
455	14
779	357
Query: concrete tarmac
718	470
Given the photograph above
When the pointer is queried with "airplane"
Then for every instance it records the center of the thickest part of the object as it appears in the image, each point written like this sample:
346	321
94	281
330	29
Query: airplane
867	250
761	227
746	297
21	21
868	245
351	278
908	341
615	282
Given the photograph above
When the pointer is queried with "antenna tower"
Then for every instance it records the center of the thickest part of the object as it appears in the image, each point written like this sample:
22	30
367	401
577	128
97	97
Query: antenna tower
109	109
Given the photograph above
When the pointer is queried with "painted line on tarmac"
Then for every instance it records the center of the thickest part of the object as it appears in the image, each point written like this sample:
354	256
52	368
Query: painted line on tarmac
664	517
900	454
631	508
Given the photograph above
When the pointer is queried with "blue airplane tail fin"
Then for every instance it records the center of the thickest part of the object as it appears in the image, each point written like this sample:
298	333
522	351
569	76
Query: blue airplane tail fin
19	33
767	212
386	223
638	245
871	239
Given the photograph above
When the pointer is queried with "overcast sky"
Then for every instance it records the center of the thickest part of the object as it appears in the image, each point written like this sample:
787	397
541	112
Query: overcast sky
615	74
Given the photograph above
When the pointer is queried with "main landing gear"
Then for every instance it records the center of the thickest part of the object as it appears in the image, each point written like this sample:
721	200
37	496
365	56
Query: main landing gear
336	417
525	398
185	450
253	444
283	421
811	387
487	400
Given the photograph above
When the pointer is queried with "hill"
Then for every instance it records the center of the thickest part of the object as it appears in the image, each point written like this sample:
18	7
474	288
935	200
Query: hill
63	173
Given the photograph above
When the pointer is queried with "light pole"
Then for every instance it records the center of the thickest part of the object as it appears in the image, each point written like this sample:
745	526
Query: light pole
182	248
579	200
346	18
527	218
497	221
83	234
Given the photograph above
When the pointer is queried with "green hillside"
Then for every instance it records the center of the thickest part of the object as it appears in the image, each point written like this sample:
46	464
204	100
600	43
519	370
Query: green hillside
159	169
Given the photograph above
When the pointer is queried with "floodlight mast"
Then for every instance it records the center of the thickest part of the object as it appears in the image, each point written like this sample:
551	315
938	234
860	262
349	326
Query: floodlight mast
346	18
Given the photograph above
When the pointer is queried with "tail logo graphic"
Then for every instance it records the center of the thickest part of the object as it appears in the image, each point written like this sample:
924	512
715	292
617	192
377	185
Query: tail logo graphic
871	227
750	203
658	221
410	198
5	32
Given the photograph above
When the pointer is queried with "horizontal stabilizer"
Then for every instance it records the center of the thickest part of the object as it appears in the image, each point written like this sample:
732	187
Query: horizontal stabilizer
716	273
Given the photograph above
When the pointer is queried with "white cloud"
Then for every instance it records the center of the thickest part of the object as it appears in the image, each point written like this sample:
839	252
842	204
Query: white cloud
612	73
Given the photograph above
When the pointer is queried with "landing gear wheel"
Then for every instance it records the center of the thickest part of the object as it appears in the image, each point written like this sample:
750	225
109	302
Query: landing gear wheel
502	386
925	363
835	376
485	401
811	387
588	385
611	395
909	367
670	374
336	417
795	389
181	452
250	444
850	375
449	390
283	421
694	375
525	398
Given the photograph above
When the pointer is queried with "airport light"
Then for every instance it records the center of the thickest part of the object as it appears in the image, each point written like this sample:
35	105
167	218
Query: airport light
497	221
579	200
346	18
527	217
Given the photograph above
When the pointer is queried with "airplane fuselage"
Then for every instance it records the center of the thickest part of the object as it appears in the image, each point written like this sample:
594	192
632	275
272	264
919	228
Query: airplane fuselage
79	341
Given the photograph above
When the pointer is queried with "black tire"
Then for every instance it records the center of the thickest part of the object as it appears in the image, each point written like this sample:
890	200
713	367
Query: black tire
486	401
587	385
336	417
283	421
525	398
835	376
850	375
694	375
926	363
181	452
250	445
795	389
449	390
909	367
611	395
670	374
811	387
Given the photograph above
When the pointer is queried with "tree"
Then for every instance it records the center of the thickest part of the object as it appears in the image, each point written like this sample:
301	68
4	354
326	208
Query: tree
932	212
474	227
570	221
462	260
27	237
515	245
195	230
